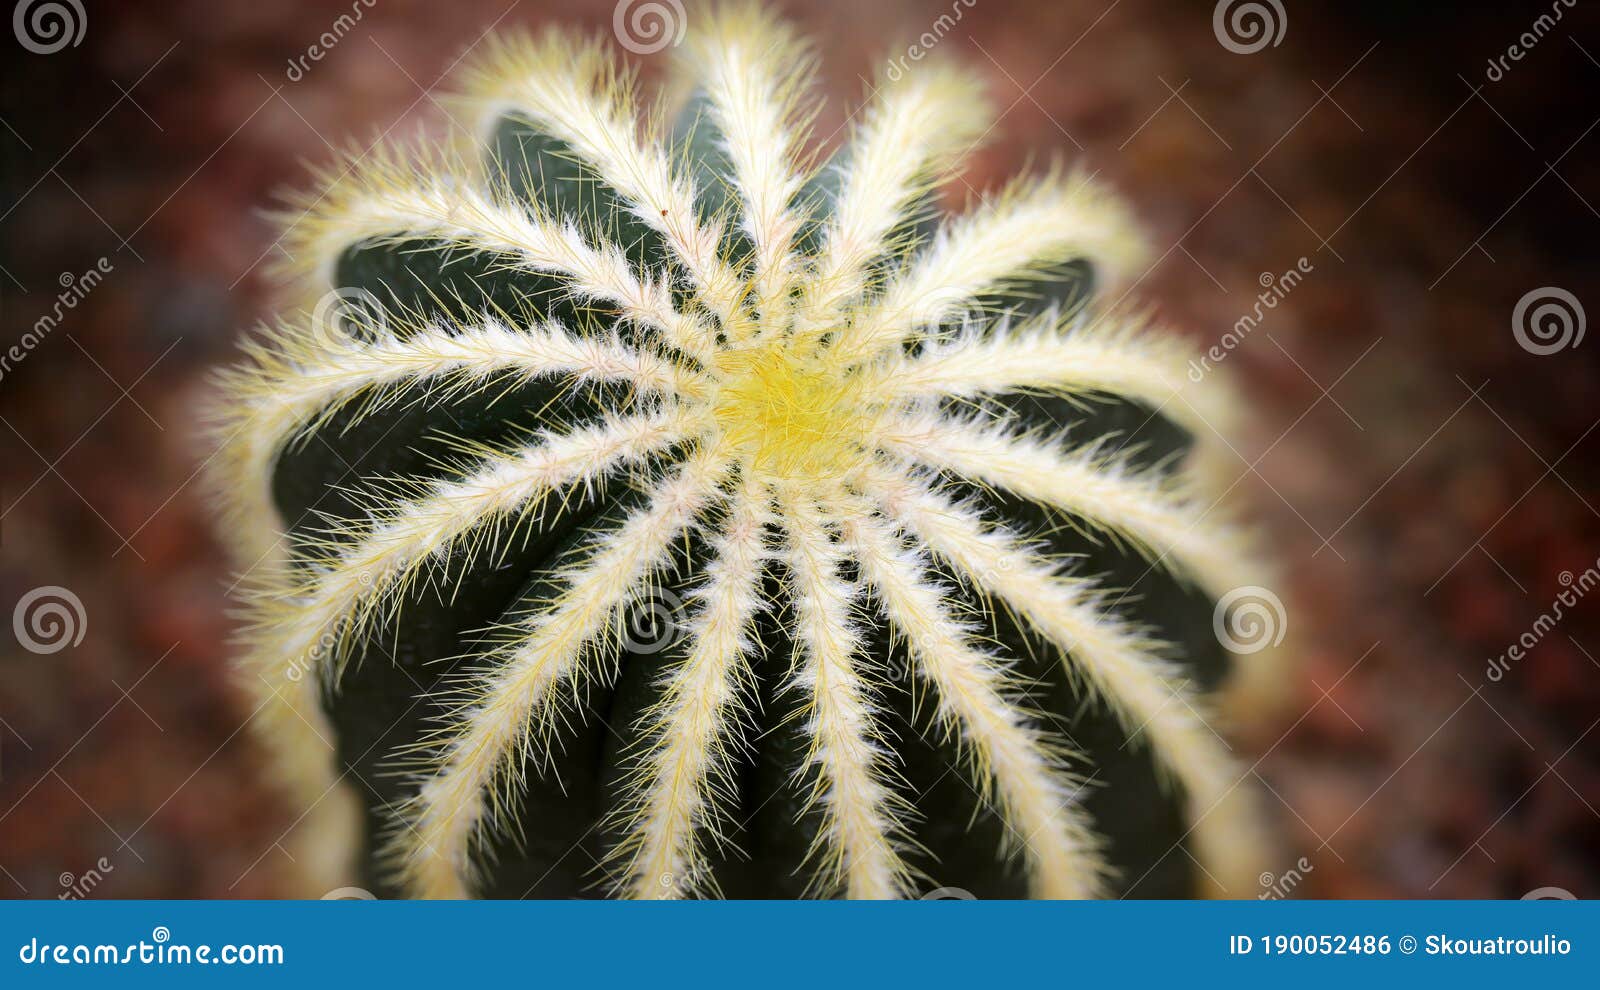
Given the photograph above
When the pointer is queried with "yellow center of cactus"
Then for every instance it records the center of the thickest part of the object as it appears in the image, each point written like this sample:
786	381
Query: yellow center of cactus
793	416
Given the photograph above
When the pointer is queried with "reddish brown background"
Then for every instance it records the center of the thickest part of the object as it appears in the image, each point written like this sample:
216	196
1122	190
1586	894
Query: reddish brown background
1450	472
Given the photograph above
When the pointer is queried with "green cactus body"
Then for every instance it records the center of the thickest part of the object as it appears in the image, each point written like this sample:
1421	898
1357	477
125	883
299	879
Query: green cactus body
659	516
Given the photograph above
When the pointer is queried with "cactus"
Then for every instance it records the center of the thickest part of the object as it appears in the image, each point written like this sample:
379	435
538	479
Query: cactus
919	515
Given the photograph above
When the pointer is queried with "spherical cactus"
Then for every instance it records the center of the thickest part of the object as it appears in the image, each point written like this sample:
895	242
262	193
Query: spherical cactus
641	506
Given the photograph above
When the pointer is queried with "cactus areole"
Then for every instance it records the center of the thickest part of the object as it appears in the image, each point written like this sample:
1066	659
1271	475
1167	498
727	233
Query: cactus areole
633	503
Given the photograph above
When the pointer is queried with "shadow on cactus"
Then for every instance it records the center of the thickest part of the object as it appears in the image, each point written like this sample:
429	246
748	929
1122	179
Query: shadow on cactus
640	507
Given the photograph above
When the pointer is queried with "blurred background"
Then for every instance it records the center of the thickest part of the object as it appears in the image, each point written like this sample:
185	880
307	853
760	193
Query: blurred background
1422	449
